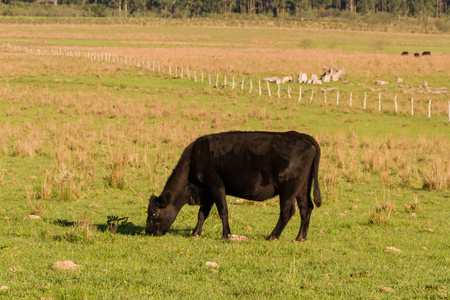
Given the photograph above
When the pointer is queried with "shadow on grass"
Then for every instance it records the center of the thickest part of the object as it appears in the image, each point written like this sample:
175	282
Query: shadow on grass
126	229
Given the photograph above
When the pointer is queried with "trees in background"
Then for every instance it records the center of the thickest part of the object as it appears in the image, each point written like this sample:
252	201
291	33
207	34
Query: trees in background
276	8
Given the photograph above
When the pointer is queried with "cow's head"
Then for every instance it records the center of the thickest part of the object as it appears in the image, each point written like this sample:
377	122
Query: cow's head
161	215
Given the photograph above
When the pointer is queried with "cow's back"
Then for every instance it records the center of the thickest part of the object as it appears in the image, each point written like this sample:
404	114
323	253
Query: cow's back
253	165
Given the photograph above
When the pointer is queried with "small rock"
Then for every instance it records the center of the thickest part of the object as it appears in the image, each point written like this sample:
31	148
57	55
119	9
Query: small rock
4	288
33	217
212	264
238	238
393	249
65	265
386	289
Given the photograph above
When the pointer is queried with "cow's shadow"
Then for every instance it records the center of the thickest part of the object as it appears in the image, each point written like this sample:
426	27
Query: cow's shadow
126	229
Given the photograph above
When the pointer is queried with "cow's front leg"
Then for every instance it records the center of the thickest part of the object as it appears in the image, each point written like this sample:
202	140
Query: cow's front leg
203	213
221	203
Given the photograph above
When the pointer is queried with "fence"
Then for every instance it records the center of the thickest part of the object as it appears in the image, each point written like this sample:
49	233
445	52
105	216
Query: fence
313	92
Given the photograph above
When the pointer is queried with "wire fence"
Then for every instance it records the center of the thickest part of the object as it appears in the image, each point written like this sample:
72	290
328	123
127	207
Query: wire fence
365	100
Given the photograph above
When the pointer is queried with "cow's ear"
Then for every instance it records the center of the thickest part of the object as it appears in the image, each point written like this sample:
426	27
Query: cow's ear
152	198
164	200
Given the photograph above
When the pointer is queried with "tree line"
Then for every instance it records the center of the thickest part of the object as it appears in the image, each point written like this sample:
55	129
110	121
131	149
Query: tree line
275	8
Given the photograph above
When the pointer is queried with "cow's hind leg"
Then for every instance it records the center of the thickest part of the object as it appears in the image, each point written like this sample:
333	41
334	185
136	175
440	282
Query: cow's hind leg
287	210
306	206
203	213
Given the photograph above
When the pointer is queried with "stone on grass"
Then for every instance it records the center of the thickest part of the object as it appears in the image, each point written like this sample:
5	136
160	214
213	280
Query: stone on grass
65	265
393	249
4	288
386	289
238	238
33	217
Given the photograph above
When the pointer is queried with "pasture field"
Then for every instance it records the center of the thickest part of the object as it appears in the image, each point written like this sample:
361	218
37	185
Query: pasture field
83	142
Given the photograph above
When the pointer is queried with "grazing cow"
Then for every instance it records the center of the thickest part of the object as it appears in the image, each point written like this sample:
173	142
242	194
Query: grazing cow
416	54
250	165
405	53
426	53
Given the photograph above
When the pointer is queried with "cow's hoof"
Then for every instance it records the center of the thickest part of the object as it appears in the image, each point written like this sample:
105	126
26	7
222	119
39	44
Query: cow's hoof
271	238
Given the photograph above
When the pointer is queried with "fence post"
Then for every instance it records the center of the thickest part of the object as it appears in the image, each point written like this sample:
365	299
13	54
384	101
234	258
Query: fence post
251	85
268	87
242	85
195	76
225	80
312	94
412	106
209	78
429	108
379	101
300	94
365	97
337	98
217	80
289	91
278	92
351	99
395	103
232	87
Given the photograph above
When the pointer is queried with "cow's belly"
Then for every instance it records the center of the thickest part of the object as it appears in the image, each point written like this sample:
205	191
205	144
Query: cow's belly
256	187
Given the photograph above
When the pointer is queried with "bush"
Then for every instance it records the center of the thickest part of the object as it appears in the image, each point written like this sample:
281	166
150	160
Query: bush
443	25
379	18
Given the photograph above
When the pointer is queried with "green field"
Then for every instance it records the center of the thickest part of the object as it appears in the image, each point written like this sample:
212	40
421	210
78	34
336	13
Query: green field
84	140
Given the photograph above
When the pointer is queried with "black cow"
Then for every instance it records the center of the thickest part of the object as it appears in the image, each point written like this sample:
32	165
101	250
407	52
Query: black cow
426	53
405	53
416	54
251	165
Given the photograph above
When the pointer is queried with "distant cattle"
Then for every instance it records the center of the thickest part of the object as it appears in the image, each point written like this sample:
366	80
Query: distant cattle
405	53
250	165
416	54
426	53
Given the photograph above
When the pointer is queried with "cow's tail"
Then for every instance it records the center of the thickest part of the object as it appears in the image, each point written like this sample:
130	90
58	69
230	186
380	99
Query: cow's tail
315	173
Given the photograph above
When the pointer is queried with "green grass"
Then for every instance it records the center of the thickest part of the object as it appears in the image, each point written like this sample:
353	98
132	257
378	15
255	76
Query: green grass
70	126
